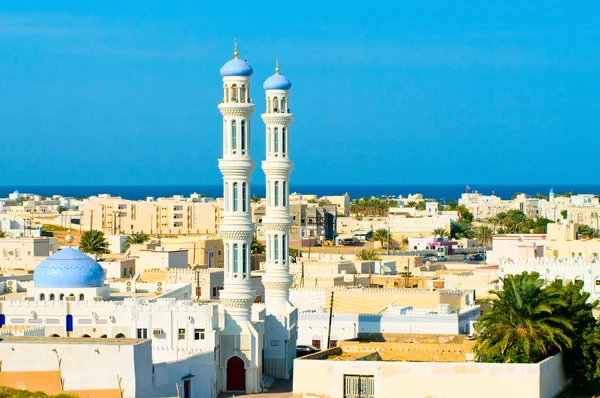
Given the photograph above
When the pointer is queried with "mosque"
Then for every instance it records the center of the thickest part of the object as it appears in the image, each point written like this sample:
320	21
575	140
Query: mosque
142	339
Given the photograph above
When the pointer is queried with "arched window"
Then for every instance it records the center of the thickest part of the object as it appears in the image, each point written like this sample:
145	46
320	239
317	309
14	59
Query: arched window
62	297
233	93
235	258
283	105
268	141
283	249
276	140
233	135
276	247
283	141
243	93
226	196
42	297
275	105
243	136
51	296
244	260
268	193
226	255
244	199
284	194
81	297
235	196
276	193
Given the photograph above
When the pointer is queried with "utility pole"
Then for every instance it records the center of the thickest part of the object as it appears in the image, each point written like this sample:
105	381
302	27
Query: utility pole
302	277
91	219
198	285
330	319
388	235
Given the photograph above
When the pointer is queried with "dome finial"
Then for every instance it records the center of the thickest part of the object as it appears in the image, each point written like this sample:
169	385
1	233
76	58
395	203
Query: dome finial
277	65
235	49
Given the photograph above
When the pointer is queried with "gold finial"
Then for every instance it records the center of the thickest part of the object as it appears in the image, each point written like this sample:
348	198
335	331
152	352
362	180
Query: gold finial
235	49
277	65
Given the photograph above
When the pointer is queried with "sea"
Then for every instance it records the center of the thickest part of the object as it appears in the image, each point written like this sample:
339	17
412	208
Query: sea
441	192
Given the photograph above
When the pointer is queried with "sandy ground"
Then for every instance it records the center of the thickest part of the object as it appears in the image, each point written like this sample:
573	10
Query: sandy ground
281	389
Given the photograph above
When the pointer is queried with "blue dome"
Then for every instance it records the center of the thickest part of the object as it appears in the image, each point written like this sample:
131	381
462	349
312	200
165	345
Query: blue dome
68	268
236	67
277	82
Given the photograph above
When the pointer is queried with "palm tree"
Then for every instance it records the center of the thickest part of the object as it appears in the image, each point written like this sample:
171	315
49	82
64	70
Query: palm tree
421	206
380	235
135	238
2	234
368	255
484	235
460	229
587	232
255	199
500	219
440	232
93	242
411	203
524	324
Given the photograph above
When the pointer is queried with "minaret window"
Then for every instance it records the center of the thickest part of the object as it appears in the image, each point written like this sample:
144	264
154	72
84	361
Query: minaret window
235	196
276	247
243	93
283	141
244	201
283	248
276	146
275	105
243	137
235	258
227	256
283	106
284	194
233	93
233	136
268	141
276	193
244	260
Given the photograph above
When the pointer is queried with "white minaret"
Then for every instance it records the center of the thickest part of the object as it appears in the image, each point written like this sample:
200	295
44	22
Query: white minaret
240	339
280	330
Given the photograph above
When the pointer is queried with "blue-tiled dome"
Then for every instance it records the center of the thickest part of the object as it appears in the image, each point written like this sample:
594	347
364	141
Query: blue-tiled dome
277	82
236	67
68	268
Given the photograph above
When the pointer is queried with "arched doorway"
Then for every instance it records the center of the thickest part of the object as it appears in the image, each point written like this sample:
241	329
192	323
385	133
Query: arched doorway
236	374
120	336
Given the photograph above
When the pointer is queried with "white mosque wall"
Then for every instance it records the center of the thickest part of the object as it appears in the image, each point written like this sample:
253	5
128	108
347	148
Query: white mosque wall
550	268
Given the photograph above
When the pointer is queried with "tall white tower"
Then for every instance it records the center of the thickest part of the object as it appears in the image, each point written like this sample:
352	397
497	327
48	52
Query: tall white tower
281	323
241	341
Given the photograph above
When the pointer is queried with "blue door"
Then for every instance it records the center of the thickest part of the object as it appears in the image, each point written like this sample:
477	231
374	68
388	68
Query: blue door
2	320
69	323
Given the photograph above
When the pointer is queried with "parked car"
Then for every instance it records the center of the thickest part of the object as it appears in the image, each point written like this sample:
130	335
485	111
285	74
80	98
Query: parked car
441	257
302	350
477	257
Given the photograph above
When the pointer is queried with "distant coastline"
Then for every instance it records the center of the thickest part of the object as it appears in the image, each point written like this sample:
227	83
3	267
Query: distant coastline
441	192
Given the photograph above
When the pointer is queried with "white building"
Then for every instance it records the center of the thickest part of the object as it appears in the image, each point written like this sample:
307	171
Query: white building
280	327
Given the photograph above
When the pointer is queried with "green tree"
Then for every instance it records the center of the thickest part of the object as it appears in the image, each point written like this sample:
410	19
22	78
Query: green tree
2	234
380	235
524	323
540	225
500	219
582	361
587	232
440	232
484	235
61	209
93	242
540	196
564	214
453	204
135	238
465	214
516	222
256	247
411	203
368	255
295	252
460	229
421	205
371	206
255	199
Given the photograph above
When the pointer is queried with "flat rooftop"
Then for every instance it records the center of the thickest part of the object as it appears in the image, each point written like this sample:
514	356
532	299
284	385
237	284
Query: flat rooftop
67	340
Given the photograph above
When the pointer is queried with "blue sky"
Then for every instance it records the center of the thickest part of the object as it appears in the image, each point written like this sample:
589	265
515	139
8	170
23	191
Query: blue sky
96	92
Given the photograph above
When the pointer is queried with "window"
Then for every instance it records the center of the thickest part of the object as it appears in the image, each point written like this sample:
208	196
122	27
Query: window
181	334
243	136
269	149
198	334
81	297
235	258
276	139
244	259
276	193
214	292
142	333
276	247
316	344
244	197
235	196
333	343
283	248
359	386
233	135
284	194
51	296
283	141
42	297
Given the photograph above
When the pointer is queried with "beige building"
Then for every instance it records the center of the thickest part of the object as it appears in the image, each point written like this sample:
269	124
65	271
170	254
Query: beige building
160	258
25	253
203	250
165	216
